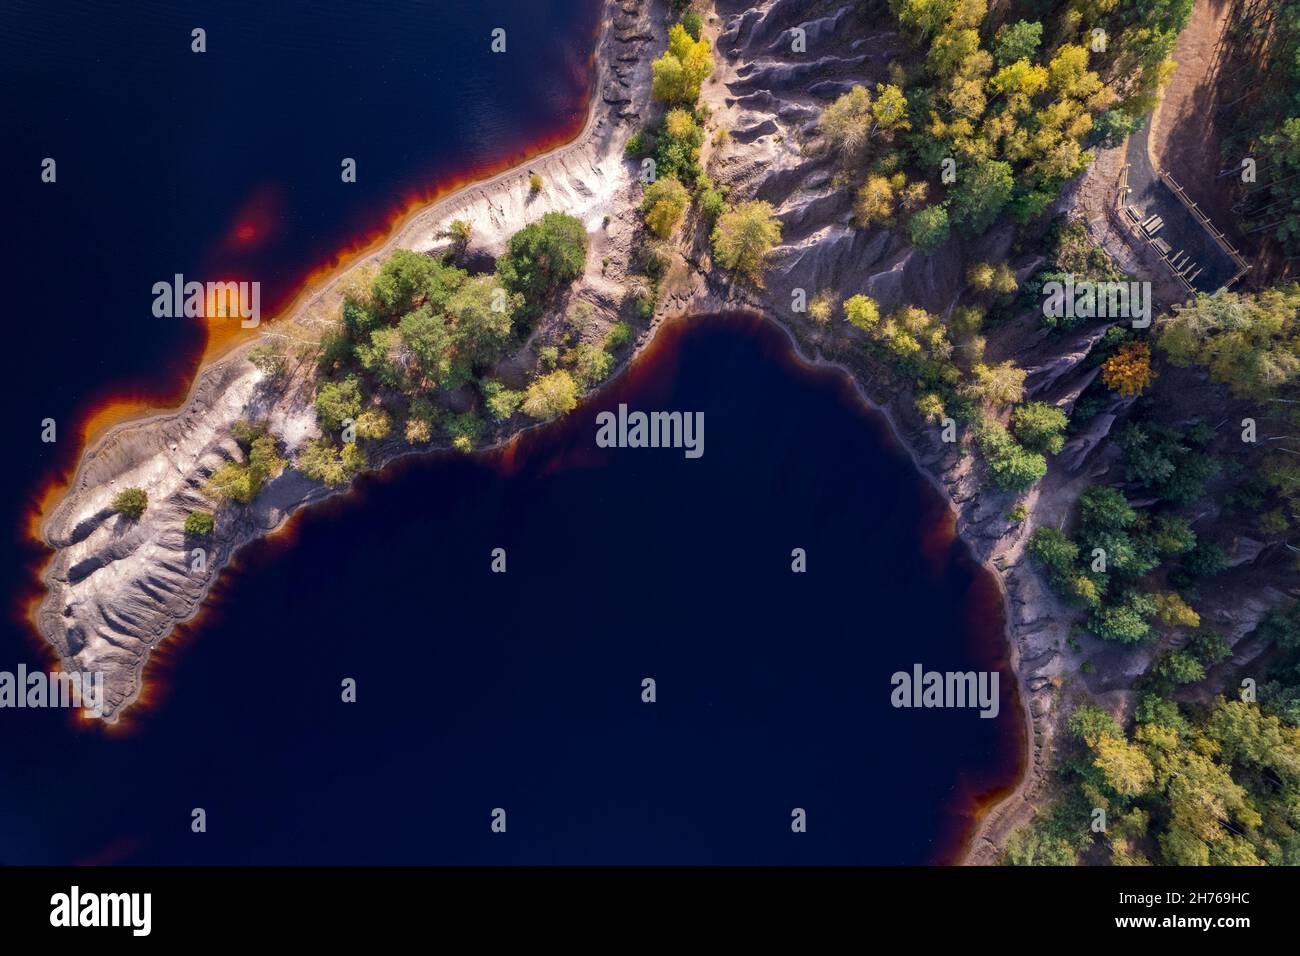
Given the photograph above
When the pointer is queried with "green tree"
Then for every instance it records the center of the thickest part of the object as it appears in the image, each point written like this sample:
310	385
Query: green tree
1249	342
862	311
1001	384
542	257
501	402
1126	621
1039	427
384	356
980	193
427	337
677	147
402	279
1017	41
464	430
743	238
323	461
1011	467
929	228
337	401
481	313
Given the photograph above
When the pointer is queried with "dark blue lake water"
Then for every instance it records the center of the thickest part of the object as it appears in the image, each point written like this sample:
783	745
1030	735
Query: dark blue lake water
475	690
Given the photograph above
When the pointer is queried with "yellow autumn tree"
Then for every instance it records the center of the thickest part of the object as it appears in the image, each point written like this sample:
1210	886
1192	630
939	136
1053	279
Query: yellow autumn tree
1128	371
1173	611
683	68
1127	770
664	205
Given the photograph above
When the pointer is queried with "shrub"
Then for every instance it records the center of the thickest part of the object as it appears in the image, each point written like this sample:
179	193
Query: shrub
199	524
357	319
481	314
534	183
692	23
980	276
709	201
381	356
404	277
464	429
428	343
640	297
677	147
459	232
1001	384
333	349
591	363
1173	465
420	419
268	358
1205	560
1004	280
929	228
242	481
1126	621
822	307
131	502
635	147
233	481
1056	552
619	334
1173	611
418	431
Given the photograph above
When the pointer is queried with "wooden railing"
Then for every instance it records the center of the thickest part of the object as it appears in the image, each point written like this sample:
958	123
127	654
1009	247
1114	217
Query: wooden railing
1133	220
1216	234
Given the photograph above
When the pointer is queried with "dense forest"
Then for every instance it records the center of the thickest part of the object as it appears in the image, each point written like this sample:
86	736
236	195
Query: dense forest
992	115
1261	112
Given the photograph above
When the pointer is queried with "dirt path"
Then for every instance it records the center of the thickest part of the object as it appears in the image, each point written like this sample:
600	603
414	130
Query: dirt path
1183	138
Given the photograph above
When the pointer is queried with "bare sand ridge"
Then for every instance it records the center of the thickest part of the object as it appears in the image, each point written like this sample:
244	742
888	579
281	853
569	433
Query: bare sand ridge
116	588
